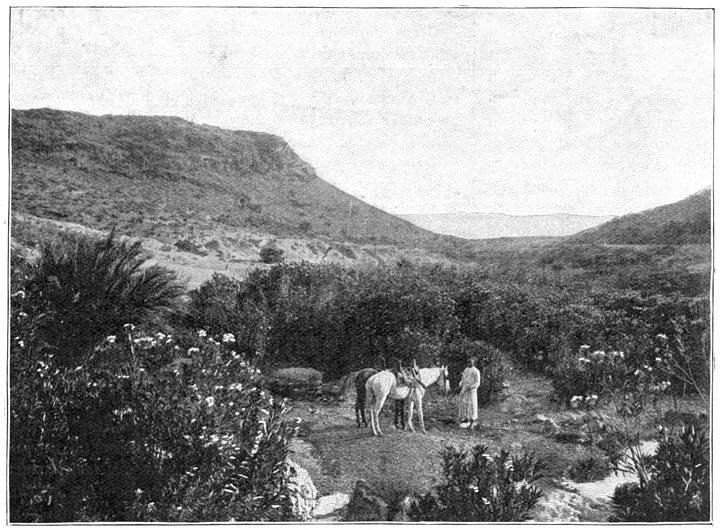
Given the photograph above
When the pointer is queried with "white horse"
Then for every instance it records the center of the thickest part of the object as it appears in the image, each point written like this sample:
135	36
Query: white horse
383	385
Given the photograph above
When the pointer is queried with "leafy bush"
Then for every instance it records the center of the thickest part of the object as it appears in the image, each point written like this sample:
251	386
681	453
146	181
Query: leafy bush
271	254
215	305
84	289
488	361
197	440
480	487
594	466
677	487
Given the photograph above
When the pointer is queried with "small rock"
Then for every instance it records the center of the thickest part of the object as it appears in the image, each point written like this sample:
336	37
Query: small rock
330	505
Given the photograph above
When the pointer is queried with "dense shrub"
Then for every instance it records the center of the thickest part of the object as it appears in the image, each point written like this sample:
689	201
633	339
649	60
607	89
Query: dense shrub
198	440
215	305
677	487
480	487
271	254
84	289
337	320
592	467
488	361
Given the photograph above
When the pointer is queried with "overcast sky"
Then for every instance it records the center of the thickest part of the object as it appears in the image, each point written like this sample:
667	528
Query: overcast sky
518	111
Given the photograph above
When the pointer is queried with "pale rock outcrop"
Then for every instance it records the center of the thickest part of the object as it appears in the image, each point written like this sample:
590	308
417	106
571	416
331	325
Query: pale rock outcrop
304	497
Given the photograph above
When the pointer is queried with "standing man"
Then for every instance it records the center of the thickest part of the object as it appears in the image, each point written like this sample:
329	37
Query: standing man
468	408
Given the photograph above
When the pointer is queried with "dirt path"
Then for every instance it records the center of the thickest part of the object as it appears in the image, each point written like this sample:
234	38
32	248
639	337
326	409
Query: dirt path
523	418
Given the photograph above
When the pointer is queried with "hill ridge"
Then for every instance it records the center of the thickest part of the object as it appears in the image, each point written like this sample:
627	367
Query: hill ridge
164	175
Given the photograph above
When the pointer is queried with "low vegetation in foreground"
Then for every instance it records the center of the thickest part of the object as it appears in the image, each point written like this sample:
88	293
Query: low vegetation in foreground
132	402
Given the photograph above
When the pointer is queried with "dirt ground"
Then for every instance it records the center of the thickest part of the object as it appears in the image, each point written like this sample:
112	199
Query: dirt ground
523	418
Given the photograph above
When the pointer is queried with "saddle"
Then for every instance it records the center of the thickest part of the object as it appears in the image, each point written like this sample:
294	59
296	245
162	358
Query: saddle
407	377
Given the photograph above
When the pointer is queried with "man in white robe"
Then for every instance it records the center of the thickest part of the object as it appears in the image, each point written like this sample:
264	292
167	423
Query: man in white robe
468	408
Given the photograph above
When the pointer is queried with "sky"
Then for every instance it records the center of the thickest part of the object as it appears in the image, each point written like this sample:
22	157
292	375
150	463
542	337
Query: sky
515	111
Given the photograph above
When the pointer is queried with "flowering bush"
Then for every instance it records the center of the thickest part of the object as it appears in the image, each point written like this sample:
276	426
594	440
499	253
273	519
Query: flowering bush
196	440
583	379
480	487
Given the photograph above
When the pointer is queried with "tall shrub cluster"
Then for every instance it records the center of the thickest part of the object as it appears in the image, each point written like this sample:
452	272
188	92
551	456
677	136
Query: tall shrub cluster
330	318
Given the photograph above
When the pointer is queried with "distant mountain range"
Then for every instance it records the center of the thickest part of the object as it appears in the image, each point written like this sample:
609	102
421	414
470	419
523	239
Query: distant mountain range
493	225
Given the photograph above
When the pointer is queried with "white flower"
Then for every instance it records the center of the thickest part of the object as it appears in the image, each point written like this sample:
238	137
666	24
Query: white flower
111	339
128	328
138	491
228	337
202	333
658	360
210	401
193	351
637	372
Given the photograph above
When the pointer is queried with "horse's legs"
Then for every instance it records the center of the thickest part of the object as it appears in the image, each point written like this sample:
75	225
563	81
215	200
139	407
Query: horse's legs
420	416
410	415
399	413
360	407
376	410
371	405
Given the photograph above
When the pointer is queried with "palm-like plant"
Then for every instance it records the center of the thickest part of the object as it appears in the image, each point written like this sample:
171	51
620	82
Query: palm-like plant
86	288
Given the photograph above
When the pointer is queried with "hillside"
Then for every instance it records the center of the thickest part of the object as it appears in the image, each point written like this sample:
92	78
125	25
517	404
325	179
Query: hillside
170	179
492	225
688	221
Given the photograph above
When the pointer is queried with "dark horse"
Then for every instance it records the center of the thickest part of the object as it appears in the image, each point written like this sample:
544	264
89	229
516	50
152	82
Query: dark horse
360	378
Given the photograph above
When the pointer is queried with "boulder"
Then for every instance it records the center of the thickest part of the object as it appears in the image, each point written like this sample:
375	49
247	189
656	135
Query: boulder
365	505
295	382
304	496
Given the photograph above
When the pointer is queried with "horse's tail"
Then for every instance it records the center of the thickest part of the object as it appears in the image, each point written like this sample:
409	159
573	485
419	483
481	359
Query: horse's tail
347	381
